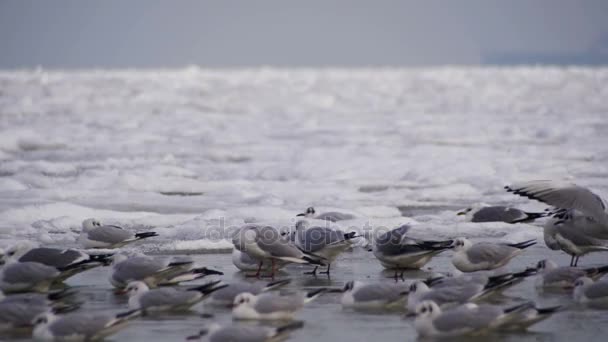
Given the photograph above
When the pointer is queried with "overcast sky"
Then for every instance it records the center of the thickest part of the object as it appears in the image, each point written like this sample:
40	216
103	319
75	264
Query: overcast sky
150	33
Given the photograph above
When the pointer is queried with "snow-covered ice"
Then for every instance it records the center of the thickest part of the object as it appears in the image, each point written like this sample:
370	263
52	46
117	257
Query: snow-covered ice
195	152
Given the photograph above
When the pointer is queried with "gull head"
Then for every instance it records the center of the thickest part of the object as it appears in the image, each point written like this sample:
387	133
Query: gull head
419	287
43	320
579	287
244	299
427	309
310	211
17	250
546	265
90	224
462	244
582	281
136	288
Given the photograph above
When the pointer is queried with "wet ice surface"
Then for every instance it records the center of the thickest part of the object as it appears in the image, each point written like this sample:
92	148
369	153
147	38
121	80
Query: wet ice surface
324	318
193	154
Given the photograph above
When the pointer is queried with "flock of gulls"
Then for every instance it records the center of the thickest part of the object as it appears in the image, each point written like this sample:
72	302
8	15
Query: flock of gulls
34	296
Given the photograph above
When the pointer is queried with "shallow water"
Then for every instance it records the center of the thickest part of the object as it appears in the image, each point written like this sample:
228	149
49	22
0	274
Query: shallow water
324	318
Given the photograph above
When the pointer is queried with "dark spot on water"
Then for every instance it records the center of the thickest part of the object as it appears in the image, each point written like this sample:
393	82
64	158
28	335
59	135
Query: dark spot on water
373	188
419	210
180	193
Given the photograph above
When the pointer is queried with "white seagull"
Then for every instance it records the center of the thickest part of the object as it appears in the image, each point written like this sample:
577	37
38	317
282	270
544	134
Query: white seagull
581	219
499	214
269	306
167	298
594	294
395	250
96	235
69	261
80	326
332	216
469	257
359	295
321	241
554	277
154	272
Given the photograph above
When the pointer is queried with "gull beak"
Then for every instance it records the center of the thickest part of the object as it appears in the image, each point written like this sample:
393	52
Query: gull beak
460	213
301	214
410	314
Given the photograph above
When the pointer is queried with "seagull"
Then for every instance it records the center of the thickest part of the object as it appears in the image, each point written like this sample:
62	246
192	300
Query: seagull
499	214
71	261
324	242
245	262
167	298
554	277
445	296
500	281
469	257
96	235
475	319
19	311
332	216
581	220
567	237
594	294
154	272
80	326
397	251
247	333
268	306
359	295
27	276
466	319
266	243
225	296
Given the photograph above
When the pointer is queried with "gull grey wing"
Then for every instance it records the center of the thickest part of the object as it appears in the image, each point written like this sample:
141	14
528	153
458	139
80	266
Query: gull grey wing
578	238
271	303
598	289
498	214
486	252
136	268
167	297
19	313
458	319
28	272
390	243
568	274
54	257
271	241
79	323
316	238
563	195
387	292
453	294
232	290
109	234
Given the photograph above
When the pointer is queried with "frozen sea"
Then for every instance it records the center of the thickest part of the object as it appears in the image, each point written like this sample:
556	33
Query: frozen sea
193	153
